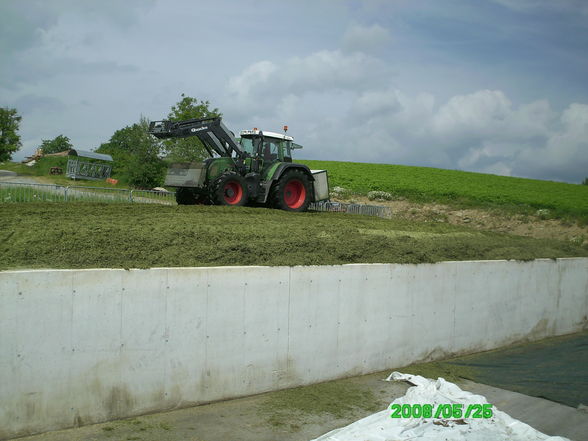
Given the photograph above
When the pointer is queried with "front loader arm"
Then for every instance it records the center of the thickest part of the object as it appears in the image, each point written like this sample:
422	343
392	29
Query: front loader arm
211	131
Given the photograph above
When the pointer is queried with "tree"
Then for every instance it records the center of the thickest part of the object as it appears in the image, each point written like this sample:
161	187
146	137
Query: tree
585	181
132	140
9	137
136	155
58	144
188	149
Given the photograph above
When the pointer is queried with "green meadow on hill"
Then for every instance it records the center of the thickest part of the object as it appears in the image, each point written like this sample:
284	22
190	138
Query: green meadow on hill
426	184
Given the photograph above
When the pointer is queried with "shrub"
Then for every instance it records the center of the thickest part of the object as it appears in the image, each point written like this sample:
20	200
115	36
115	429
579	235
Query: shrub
379	196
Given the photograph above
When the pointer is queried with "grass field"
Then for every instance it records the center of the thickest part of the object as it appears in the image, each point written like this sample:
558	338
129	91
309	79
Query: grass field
87	235
458	187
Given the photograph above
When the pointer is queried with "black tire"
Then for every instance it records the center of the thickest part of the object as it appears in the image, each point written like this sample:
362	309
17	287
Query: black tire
229	189
188	196
292	192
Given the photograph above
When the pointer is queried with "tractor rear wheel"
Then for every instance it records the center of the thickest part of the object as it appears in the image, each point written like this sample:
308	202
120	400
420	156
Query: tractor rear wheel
229	189
292	191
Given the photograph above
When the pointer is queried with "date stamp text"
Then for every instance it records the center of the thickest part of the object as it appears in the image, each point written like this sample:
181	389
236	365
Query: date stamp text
445	411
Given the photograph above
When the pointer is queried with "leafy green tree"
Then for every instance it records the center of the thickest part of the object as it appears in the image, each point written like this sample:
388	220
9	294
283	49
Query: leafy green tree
136	155
188	149
585	181
58	144
146	172
132	140
9	137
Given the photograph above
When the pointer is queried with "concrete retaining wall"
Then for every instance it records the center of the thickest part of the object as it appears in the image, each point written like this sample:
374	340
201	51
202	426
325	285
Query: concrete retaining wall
84	346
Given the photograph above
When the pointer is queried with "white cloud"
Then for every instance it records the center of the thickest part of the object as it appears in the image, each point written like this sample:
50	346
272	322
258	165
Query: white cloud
243	87
262	86
373	103
365	38
489	114
566	148
474	116
485	132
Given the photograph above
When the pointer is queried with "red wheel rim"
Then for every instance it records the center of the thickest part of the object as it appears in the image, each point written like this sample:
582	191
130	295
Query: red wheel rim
233	192
294	194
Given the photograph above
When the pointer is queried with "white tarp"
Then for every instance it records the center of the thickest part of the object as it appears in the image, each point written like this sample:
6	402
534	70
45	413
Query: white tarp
381	427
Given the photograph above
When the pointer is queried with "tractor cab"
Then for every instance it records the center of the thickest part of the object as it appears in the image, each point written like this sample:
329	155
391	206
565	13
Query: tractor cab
268	146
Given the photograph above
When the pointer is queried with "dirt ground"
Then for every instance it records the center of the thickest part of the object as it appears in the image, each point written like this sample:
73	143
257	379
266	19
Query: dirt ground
289	415
488	220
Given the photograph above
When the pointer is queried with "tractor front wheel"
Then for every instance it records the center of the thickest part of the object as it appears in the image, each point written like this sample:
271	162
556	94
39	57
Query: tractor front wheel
292	191
229	189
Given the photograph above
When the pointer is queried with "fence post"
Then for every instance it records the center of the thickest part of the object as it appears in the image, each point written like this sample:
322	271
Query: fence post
130	195
65	189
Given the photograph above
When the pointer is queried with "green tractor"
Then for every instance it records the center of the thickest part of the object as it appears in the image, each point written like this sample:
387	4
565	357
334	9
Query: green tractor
257	168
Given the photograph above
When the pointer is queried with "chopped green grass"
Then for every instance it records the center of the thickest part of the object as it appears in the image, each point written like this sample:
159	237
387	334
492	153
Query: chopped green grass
336	398
424	184
98	235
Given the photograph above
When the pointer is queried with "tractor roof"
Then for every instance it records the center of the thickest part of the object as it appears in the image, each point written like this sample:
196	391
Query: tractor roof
266	134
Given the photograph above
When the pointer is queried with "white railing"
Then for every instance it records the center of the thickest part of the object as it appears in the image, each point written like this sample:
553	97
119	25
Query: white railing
25	192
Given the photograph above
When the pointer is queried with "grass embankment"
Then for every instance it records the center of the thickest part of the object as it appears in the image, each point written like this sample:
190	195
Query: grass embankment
423	184
86	235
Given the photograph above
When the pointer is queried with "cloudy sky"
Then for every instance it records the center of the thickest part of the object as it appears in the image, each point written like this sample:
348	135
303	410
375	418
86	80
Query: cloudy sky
496	86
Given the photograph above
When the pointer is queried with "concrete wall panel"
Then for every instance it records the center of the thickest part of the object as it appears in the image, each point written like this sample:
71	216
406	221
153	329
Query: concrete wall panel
83	346
185	335
571	301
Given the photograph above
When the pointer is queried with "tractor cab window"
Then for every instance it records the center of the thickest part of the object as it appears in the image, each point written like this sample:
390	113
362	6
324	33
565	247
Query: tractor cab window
270	150
287	151
247	145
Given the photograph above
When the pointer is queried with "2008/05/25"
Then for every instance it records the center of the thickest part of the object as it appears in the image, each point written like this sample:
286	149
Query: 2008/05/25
455	410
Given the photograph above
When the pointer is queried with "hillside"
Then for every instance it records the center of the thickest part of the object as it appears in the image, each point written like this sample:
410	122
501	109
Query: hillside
86	235
458	188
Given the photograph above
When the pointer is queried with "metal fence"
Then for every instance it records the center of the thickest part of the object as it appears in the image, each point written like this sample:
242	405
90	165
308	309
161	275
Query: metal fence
25	192
367	210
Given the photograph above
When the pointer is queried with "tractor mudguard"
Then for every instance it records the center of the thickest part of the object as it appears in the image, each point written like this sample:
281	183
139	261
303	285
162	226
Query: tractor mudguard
288	165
